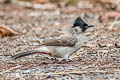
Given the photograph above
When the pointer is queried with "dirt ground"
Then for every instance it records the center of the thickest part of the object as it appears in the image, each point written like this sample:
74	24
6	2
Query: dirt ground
98	59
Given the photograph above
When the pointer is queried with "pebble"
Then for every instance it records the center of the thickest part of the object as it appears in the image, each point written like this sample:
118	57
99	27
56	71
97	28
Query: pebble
109	45
103	51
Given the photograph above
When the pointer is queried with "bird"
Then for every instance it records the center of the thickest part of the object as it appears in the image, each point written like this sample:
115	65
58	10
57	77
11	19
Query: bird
63	46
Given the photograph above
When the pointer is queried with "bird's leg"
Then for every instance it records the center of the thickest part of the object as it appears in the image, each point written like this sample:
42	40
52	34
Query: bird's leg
55	60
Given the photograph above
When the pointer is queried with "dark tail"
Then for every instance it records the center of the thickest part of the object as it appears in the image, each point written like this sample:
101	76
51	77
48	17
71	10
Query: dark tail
24	54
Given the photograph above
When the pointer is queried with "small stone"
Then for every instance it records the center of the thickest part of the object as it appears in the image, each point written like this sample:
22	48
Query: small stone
84	4
102	45
103	51
17	75
90	45
35	44
67	77
50	74
26	72
109	45
44	6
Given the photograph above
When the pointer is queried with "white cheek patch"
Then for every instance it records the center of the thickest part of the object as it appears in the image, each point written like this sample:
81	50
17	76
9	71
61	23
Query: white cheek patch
43	49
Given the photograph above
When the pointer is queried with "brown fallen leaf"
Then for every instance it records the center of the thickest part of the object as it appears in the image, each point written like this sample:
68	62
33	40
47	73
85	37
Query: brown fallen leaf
110	1
117	44
5	31
106	1
110	14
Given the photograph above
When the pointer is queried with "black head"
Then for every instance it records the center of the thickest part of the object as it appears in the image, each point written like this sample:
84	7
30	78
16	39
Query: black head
81	24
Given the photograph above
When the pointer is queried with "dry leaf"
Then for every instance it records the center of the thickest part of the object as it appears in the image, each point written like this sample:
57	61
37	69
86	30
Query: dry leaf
109	15
89	45
47	6
110	1
5	31
117	44
84	4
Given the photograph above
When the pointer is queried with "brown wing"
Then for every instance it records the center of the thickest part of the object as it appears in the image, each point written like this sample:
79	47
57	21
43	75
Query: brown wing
63	40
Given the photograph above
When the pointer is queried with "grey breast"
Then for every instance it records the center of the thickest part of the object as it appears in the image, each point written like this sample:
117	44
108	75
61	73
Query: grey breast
69	51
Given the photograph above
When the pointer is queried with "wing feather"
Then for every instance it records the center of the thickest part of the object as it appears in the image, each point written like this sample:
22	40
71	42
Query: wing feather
62	40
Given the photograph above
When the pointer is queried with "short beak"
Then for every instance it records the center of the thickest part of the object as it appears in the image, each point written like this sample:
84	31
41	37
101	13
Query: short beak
91	28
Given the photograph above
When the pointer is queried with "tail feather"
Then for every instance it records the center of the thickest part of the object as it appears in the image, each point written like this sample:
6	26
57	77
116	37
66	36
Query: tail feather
24	54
